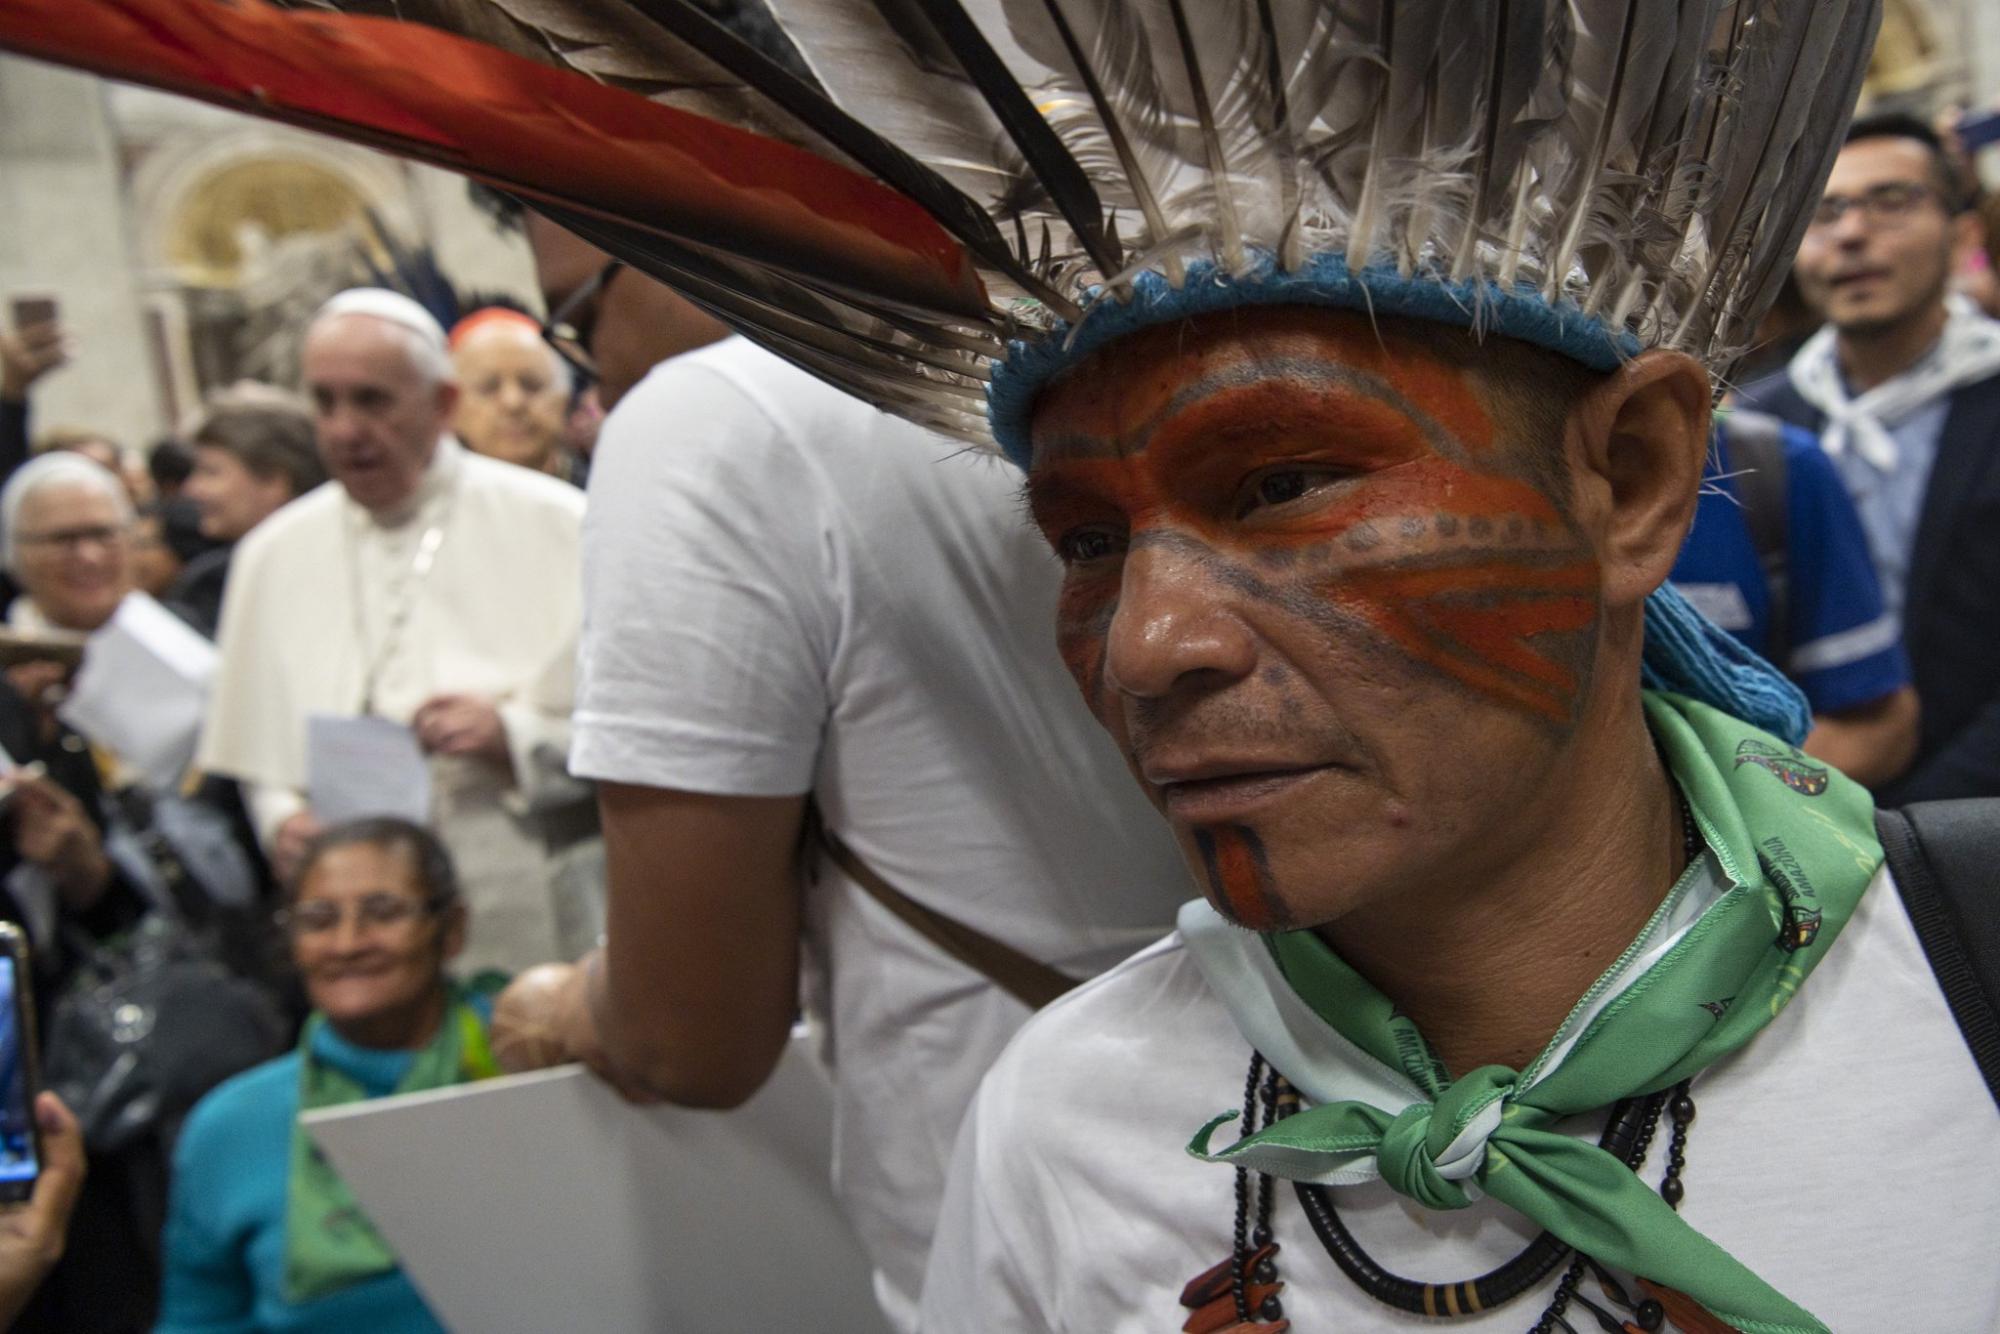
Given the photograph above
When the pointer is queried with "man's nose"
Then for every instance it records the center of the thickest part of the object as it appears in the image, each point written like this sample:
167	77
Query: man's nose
1176	621
1850	230
339	424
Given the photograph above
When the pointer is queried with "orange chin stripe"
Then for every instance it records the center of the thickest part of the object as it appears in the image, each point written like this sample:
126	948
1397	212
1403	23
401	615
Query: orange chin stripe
1239	876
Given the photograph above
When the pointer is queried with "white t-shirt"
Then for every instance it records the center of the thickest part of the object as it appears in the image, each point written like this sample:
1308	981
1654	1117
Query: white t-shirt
787	591
1846	1155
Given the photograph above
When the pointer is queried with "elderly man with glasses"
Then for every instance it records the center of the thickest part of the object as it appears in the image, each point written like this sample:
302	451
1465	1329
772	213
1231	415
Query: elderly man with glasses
1903	385
432	588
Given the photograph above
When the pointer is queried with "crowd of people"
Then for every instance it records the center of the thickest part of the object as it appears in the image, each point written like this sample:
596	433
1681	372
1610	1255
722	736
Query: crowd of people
384	731
137	820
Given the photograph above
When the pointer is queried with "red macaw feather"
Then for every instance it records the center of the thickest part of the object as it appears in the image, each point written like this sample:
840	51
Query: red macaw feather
529	128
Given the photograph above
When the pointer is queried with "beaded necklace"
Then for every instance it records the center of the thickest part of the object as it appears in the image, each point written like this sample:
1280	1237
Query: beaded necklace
1244	1294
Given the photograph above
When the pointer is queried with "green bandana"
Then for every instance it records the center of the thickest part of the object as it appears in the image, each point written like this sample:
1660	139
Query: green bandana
329	1242
1716	962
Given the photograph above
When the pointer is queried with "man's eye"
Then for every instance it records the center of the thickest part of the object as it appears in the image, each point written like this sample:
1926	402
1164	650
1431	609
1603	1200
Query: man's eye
1280	486
1084	545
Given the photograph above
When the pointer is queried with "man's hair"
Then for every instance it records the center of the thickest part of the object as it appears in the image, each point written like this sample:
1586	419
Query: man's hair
436	877
268	431
169	462
1945	176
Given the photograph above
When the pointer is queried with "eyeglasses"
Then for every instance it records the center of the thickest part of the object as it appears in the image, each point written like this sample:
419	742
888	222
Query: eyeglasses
1885	205
570	326
70	539
320	916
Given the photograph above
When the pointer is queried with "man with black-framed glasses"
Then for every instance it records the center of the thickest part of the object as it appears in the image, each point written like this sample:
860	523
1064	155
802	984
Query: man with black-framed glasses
1903	385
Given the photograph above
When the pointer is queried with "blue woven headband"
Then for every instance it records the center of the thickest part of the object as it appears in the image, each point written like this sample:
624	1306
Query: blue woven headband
1685	652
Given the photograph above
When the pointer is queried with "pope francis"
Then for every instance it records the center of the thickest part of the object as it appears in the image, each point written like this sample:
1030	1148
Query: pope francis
433	588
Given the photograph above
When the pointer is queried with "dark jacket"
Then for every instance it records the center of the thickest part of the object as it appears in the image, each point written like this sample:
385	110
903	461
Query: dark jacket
1951	610
196	596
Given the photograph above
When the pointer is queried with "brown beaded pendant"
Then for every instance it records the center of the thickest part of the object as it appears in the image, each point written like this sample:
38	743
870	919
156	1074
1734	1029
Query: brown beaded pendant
1685	1313
1211	1295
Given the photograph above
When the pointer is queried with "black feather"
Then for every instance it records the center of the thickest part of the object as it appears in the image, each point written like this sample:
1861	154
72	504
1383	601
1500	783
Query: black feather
1054	167
951	206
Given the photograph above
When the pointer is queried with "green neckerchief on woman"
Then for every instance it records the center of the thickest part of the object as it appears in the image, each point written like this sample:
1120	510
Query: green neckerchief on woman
329	1242
1795	846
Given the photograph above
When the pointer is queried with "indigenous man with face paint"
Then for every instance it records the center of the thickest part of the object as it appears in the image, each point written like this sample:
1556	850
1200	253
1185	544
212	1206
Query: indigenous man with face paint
1509	862
1359	357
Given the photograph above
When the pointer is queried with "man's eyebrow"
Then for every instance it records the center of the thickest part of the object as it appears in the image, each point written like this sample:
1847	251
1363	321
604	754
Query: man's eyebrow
1046	487
1311	374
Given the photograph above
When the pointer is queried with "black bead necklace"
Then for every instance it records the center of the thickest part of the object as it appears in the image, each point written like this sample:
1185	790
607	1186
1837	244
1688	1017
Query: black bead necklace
1627	1136
1253	1275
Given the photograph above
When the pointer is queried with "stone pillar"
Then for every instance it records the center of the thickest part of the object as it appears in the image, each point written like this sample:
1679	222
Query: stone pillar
62	232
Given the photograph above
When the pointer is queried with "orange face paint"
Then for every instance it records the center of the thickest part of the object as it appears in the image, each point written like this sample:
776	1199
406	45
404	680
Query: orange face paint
1239	877
1463	567
1296	506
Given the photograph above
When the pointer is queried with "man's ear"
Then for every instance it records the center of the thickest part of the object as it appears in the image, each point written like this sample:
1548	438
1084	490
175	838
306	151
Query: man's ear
1636	442
1968	233
447	400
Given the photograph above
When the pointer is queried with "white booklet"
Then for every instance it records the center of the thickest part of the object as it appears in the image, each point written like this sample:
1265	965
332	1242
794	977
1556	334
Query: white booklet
143	690
545	1202
359	766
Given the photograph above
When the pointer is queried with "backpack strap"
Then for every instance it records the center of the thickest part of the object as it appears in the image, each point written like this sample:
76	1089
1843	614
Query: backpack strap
1757	463
1026	979
1945	857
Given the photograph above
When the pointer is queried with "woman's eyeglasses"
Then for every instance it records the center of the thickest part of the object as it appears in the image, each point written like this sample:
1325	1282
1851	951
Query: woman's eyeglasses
319	916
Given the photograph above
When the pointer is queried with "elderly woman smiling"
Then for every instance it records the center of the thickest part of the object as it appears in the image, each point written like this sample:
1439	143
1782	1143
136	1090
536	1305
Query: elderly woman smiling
261	1234
67	524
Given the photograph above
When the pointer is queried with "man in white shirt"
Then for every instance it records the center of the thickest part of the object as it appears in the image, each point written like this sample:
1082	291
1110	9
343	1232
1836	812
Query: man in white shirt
793	599
431	587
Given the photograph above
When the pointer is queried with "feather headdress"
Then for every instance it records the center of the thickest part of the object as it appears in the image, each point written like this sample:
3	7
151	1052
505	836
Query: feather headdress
936	194
940	205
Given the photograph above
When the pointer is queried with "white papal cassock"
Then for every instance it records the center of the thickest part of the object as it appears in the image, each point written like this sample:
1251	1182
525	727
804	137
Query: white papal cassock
332	610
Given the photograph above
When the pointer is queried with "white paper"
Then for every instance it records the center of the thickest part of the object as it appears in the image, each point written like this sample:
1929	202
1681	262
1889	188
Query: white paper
142	690
545	1202
365	766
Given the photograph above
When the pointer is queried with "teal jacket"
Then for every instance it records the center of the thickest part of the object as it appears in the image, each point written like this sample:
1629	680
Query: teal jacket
225	1237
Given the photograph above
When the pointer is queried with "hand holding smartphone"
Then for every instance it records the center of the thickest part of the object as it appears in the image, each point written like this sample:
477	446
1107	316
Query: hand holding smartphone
34	311
35	347
20	1069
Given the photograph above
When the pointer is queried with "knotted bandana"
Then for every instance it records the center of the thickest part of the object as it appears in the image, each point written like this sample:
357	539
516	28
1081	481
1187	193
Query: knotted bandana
1791	848
329	1241
1968	350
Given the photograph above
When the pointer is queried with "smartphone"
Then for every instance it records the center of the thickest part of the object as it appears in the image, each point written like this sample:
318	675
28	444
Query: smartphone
17	647
20	1069
1978	130
30	311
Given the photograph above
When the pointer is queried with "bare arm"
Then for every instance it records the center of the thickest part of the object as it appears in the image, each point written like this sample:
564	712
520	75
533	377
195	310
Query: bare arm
1871	743
699	981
